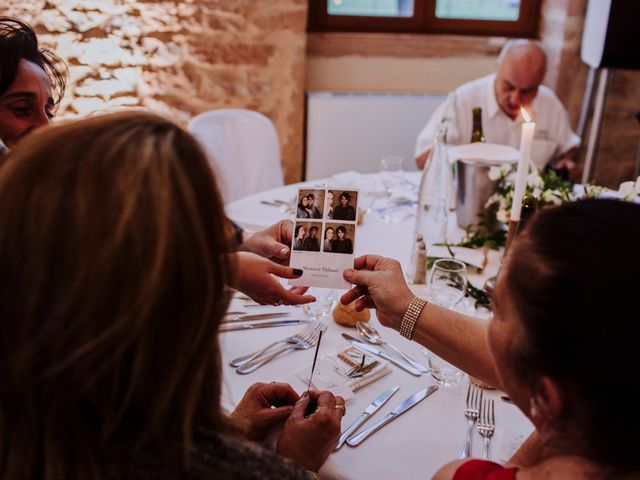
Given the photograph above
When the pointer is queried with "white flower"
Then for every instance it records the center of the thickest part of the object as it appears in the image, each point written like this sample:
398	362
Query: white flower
495	173
636	187
627	190
502	216
537	192
535	180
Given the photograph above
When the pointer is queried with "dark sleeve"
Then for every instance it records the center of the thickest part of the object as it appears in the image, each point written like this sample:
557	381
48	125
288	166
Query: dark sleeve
233	235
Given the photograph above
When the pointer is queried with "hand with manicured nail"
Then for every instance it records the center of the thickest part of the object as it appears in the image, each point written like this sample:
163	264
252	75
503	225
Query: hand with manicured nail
256	277
272	242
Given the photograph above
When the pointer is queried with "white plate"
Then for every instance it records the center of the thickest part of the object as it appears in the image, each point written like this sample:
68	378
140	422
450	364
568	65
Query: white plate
484	152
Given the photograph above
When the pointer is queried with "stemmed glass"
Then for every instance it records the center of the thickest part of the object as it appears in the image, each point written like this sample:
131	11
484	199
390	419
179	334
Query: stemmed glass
391	175
448	282
447	287
325	299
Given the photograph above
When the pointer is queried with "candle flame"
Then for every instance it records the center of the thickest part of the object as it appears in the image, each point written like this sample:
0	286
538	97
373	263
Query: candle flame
525	115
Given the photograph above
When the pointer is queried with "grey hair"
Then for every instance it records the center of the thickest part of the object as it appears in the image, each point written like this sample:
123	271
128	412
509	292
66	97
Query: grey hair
519	42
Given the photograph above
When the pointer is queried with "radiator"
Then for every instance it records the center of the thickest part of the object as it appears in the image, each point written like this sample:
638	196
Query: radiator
349	131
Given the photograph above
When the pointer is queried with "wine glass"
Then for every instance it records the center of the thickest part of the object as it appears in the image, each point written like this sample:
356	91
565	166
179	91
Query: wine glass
448	282
325	299
447	287
391	173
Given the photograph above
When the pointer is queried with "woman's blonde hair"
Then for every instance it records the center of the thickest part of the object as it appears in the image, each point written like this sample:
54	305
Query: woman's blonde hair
112	287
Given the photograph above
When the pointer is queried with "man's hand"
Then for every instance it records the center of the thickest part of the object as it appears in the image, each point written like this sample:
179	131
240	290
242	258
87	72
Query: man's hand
380	285
264	407
255	278
272	242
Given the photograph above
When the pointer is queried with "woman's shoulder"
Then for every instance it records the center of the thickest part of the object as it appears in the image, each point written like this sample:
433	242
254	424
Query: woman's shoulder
231	458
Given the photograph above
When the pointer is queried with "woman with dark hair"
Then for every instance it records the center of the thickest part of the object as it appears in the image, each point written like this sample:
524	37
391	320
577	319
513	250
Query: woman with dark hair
32	82
115	274
344	211
298	237
559	344
342	244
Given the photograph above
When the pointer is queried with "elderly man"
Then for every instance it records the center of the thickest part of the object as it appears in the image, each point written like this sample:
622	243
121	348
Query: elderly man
517	83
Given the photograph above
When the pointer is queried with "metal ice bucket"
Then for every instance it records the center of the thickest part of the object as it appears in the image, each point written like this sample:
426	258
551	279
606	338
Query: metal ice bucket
474	187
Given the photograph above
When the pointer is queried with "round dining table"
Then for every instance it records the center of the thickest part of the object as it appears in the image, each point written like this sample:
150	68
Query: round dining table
419	442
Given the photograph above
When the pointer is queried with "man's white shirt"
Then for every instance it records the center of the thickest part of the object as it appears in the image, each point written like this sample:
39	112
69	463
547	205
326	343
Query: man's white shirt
553	135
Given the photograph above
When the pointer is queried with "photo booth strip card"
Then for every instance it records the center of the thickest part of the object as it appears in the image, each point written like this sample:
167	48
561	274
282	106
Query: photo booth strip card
324	236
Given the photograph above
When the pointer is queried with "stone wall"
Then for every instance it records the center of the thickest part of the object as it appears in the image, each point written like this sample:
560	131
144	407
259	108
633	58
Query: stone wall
181	57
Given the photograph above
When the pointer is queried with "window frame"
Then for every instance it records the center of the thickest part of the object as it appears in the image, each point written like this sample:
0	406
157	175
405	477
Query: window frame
424	21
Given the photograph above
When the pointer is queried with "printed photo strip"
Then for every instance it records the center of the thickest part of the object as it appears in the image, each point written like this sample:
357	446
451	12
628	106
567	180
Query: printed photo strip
324	236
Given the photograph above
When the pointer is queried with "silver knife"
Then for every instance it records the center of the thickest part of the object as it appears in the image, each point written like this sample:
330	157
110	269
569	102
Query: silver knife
393	414
256	316
232	327
370	410
376	351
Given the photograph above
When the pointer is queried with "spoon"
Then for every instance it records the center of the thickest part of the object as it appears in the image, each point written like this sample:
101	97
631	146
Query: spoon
372	336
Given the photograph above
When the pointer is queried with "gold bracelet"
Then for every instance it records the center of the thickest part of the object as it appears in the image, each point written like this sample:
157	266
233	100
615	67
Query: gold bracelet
410	317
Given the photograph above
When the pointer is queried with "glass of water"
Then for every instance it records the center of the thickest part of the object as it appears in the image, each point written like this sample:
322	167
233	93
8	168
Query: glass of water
448	282
325	299
447	287
391	173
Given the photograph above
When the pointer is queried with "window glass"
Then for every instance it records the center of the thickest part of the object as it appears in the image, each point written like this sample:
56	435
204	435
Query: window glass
371	8
504	10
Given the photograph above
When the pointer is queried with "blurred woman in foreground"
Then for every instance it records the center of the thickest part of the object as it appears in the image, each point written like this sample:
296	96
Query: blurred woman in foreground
115	265
560	343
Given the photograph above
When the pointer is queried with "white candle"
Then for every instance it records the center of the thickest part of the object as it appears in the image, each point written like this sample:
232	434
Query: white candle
526	139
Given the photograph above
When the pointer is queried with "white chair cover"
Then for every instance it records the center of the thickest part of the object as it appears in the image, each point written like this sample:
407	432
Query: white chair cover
243	149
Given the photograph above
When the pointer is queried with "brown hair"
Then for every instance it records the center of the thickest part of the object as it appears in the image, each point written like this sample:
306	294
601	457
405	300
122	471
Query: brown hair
18	41
573	277
112	288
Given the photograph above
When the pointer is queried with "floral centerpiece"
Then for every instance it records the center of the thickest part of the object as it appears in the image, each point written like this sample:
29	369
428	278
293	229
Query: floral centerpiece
543	189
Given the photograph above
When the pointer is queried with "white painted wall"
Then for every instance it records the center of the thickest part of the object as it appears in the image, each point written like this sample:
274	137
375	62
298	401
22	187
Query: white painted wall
353	131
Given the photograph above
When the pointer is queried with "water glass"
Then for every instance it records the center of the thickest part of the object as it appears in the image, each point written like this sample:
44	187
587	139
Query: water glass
447	287
325	299
391	173
448	282
442	371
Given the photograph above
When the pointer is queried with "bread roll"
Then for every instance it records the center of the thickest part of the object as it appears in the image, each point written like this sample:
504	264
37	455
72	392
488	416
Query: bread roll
347	316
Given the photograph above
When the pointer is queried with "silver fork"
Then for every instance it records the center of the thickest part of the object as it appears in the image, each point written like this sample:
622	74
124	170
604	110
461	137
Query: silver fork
301	344
487	424
471	411
302	334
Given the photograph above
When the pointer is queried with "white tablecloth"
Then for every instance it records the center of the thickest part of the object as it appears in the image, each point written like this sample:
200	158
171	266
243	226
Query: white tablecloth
418	443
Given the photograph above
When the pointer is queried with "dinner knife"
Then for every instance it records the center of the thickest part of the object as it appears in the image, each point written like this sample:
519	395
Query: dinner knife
256	316
380	353
392	415
368	412
232	327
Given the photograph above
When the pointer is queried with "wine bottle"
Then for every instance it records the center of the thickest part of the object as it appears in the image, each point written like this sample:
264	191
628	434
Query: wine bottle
476	132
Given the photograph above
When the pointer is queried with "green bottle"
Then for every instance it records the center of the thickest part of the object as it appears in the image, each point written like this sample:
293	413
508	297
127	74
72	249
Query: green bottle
476	132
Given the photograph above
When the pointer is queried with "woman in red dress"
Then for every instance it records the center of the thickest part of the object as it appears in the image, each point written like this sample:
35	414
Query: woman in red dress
559	343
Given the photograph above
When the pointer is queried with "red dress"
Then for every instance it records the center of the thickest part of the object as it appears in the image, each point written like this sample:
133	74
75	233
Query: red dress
483	470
